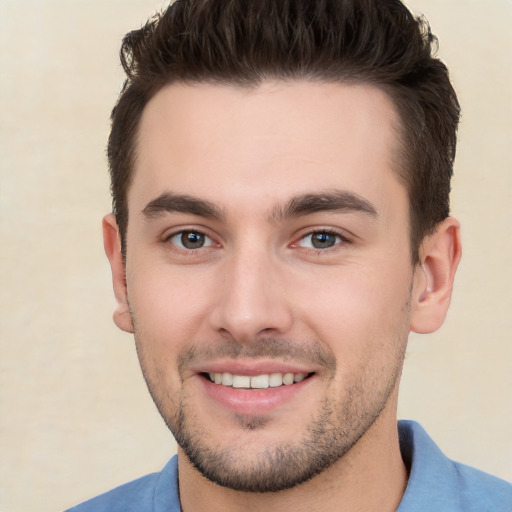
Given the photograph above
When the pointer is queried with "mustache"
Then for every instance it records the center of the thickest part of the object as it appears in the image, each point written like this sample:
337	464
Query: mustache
273	348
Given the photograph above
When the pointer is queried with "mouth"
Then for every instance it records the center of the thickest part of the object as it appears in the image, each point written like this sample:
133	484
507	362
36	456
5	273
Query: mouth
248	390
261	381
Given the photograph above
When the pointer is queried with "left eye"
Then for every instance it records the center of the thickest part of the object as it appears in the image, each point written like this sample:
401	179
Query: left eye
320	240
191	240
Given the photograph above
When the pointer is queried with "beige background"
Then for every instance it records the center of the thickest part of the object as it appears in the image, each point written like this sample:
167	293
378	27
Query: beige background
76	418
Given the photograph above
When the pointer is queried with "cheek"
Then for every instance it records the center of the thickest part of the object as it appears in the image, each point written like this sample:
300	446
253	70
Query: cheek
162	328
358	312
168	303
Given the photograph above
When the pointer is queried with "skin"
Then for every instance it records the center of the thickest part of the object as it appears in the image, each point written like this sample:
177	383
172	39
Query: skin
233	164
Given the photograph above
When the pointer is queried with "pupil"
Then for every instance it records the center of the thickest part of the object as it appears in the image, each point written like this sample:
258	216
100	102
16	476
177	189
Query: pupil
192	240
323	240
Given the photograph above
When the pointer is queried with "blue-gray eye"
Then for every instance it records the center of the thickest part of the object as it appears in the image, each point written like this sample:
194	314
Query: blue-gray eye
320	240
191	240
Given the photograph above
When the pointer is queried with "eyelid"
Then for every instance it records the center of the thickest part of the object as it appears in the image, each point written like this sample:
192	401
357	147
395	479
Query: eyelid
341	234
176	231
208	241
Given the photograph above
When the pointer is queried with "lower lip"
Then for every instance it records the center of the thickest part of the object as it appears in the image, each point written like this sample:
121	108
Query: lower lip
253	401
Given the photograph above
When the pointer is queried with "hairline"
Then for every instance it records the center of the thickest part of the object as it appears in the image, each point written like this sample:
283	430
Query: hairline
401	157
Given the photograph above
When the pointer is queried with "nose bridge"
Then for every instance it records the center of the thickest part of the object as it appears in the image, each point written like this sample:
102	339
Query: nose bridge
251	299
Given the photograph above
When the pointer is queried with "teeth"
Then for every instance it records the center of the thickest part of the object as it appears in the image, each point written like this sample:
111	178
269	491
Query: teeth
288	378
240	381
275	380
227	379
260	381
264	381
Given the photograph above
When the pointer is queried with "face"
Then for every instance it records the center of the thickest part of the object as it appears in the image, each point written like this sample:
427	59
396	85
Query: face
268	274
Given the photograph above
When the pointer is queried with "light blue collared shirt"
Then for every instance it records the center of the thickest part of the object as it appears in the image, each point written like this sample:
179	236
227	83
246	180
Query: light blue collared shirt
436	484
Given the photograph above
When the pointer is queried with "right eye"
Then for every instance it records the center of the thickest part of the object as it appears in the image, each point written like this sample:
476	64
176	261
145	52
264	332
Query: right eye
320	240
190	240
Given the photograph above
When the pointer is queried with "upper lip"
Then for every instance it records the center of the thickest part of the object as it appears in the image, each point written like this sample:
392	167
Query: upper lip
252	367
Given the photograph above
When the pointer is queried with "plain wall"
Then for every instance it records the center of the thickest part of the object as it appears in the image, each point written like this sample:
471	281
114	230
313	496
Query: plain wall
75	416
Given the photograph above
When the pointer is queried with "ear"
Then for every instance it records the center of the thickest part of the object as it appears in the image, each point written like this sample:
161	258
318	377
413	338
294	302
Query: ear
433	280
112	244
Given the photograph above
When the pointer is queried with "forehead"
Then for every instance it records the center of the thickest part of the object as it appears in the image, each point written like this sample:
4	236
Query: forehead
235	144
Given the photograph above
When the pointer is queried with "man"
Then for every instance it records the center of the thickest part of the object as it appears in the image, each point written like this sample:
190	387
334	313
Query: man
280	174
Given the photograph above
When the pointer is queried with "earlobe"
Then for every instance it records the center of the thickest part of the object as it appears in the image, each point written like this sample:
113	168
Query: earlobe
440	254
112	245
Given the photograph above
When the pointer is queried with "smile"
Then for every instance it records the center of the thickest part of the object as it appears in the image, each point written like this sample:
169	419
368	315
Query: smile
263	381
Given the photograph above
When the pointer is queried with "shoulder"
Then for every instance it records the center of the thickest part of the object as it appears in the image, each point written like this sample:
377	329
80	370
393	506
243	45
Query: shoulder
438	483
152	493
480	491
136	495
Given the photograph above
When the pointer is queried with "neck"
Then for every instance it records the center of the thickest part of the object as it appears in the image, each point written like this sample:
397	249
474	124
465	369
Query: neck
371	477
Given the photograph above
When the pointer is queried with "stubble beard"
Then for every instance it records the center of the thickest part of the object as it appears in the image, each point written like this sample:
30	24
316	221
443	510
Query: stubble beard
329	436
327	439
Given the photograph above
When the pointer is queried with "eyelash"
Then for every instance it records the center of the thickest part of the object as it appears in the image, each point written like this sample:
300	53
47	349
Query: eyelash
188	250
341	240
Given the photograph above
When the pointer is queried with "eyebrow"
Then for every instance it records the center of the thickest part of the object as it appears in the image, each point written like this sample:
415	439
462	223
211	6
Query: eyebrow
178	203
332	201
298	206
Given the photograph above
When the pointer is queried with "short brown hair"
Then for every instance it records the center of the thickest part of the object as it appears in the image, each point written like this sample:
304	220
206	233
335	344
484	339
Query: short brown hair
244	42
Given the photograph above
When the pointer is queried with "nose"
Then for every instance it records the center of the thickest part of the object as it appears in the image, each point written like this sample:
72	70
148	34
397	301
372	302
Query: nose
252	297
